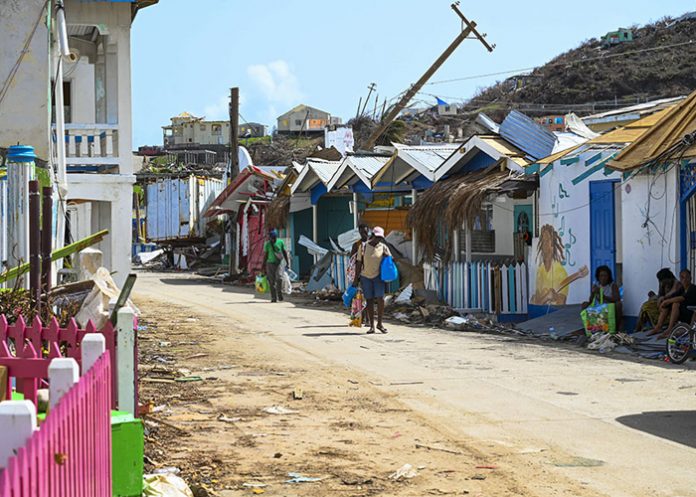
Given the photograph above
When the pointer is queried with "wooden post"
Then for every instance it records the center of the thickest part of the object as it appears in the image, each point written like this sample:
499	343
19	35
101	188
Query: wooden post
233	172
126	360
46	239
467	242
4	383
35	246
63	373
93	346
414	235
17	423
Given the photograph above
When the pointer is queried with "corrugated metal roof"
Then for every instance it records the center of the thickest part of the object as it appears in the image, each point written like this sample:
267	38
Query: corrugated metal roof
313	172
526	134
429	157
668	130
620	137
364	167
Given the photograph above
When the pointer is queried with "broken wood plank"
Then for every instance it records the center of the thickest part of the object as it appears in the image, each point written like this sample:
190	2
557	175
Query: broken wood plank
3	383
441	449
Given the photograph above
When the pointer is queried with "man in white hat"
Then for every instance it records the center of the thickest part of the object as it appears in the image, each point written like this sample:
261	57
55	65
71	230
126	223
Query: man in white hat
367	271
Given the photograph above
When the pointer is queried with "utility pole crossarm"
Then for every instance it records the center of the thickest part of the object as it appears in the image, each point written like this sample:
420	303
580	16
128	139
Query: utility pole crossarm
416	87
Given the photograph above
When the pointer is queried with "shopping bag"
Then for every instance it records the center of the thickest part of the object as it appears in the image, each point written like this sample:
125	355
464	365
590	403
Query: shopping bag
599	317
286	283
356	309
387	270
348	296
261	283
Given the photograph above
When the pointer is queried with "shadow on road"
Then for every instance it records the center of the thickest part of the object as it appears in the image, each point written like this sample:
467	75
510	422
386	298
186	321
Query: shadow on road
342	334
677	426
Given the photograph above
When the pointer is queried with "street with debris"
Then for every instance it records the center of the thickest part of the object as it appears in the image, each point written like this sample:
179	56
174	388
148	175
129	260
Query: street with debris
244	393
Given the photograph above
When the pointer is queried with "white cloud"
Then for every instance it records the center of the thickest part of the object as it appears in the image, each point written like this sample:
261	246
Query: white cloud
276	81
219	111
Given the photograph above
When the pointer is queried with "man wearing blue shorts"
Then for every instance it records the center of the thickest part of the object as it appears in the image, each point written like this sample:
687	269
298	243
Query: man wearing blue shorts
367	271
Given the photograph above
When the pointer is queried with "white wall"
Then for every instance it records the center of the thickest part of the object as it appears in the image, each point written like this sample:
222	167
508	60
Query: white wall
24	116
566	208
504	223
655	245
83	103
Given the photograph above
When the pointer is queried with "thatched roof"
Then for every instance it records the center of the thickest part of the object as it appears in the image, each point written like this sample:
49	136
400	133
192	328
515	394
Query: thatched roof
453	203
278	212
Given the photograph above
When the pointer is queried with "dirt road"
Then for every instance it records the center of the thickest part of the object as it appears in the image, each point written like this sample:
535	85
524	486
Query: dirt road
472	414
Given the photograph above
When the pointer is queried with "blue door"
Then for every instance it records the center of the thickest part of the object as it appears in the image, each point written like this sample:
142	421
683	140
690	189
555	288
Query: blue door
602	225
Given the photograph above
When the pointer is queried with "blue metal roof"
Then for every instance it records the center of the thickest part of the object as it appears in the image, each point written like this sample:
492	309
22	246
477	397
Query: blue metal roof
524	133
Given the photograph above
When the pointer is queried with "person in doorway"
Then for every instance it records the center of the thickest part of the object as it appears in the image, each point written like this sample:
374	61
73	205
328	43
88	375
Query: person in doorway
274	251
676	306
367	271
364	231
606	290
650	311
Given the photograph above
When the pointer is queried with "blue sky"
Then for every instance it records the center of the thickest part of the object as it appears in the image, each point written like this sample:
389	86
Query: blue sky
186	55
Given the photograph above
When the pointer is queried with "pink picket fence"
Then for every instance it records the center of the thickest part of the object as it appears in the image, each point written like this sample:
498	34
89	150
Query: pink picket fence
36	345
70	454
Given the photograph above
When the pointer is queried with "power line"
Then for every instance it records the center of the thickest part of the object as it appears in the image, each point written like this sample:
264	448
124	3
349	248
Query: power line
566	63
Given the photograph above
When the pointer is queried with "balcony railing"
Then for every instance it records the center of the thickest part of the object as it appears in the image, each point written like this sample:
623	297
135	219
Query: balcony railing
91	147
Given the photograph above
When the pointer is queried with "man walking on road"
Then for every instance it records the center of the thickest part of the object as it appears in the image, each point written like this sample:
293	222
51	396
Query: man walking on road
367	271
274	251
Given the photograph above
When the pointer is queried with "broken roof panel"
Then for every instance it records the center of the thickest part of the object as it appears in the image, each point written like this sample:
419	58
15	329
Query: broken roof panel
619	137
671	128
523	132
250	182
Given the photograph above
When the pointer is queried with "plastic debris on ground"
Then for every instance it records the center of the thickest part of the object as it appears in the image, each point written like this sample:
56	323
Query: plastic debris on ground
299	478
165	485
279	410
405	295
406	471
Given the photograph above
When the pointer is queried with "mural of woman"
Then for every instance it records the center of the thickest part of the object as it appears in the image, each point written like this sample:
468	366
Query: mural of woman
552	280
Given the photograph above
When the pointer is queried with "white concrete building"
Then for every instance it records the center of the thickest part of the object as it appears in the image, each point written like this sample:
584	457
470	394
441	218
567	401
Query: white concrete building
97	109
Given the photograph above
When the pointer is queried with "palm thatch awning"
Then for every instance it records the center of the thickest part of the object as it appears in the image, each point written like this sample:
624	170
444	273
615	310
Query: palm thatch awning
278	212
456	201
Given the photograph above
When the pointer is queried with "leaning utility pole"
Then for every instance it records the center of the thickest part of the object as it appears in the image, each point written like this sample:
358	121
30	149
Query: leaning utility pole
371	88
416	87
233	173
234	133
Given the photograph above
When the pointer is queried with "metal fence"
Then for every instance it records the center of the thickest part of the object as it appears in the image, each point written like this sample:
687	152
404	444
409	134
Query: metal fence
70	454
480	286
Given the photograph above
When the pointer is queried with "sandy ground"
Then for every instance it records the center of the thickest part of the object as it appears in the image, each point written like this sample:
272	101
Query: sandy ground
472	414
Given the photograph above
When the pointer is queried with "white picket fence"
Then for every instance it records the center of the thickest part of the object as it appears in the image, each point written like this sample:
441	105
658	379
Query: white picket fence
480	286
4	217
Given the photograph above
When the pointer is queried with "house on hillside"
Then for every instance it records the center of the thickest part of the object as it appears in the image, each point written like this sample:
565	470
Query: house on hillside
305	119
187	130
621	35
92	152
608	120
445	109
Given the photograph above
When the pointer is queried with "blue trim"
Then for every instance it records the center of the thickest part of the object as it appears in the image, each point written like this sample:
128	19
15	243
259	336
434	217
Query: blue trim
593	159
682	231
317	192
570	160
512	318
546	170
536	311
591	171
533	169
421	183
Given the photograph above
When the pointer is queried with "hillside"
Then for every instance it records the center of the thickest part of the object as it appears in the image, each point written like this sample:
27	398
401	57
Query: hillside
591	78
